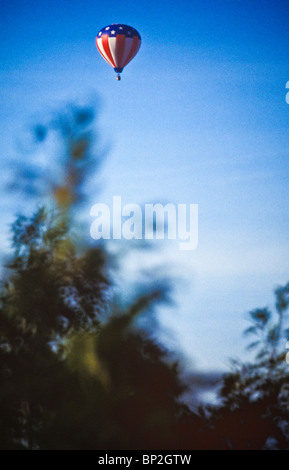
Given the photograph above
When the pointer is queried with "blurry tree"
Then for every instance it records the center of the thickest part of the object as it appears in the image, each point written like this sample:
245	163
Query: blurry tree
50	292
72	156
255	397
77	370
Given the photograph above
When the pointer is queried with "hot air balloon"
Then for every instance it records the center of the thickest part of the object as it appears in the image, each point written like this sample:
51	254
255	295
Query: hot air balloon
118	44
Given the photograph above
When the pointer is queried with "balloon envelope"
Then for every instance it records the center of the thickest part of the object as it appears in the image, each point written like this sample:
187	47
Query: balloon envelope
118	44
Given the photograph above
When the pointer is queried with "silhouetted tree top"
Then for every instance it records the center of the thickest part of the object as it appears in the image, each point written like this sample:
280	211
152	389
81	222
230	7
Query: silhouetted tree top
77	369
254	413
74	153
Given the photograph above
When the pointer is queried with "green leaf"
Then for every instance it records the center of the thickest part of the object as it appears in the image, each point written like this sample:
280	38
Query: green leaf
261	316
252	330
253	345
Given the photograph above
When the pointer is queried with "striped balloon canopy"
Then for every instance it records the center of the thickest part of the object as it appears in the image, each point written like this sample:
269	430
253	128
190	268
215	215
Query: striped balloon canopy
118	44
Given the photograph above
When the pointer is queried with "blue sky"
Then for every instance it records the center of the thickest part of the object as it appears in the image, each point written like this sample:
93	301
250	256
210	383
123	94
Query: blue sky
199	117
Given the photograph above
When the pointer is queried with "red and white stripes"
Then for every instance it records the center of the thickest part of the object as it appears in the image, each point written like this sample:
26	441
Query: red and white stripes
118	51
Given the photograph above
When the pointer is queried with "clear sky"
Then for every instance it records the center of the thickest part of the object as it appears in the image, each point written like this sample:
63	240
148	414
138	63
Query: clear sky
199	117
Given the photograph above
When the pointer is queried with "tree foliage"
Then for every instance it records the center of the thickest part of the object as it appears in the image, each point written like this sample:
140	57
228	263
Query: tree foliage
77	369
255	396
81	370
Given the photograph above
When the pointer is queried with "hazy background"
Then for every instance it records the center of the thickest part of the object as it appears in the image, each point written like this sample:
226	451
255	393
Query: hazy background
199	117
